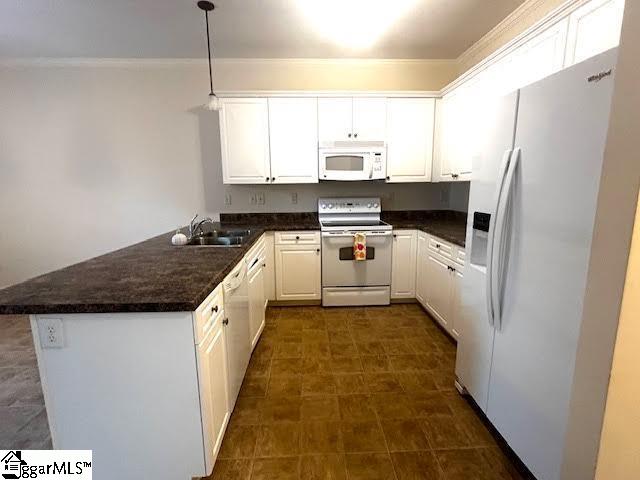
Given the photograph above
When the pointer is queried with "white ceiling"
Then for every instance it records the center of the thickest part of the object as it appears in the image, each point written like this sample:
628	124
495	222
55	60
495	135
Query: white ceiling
241	29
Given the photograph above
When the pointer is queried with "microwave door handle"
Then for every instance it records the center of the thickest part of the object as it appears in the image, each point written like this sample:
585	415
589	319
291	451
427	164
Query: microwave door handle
370	169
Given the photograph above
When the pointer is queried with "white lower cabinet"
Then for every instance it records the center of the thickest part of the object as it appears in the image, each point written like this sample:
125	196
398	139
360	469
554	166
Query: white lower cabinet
439	274
269	268
439	289
421	268
458	275
298	266
255	284
212	373
403	264
256	261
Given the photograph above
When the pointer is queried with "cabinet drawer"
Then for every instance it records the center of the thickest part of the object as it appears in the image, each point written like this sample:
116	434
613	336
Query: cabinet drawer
441	247
297	238
209	314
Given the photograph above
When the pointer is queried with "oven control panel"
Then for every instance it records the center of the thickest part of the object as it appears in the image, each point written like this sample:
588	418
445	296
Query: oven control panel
349	205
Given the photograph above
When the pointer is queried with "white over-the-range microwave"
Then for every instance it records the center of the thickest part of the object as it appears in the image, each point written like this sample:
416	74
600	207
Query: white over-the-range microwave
352	161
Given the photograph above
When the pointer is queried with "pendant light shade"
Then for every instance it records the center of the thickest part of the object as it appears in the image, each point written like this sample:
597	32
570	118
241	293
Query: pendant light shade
213	102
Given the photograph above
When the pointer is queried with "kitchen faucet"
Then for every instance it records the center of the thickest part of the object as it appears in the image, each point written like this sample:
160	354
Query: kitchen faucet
195	226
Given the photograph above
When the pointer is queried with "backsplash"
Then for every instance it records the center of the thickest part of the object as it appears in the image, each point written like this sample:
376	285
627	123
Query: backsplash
268	218
304	197
303	217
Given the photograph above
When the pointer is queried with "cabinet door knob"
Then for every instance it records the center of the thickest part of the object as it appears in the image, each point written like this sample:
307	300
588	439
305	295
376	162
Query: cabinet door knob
225	321
395	236
355	135
437	245
349	135
264	265
297	237
267	179
214	309
273	179
318	250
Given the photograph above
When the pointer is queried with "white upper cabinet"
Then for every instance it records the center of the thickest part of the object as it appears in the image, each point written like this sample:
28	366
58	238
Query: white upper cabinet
538	58
244	140
293	133
347	118
335	119
410	124
455	128
460	111
369	118
593	28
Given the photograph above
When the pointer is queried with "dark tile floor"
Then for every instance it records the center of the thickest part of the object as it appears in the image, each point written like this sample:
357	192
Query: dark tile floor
23	419
330	394
356	393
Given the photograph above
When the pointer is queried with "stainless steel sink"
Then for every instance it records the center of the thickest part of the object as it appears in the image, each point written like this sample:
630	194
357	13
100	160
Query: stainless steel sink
220	238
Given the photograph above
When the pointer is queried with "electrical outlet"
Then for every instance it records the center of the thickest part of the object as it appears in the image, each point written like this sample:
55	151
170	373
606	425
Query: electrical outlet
445	193
227	199
254	199
51	334
294	197
261	198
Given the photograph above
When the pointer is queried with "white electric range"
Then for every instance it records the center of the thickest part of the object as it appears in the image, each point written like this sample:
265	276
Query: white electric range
346	281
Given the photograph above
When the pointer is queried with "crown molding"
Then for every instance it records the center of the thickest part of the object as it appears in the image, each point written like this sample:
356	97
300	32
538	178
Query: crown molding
330	93
555	15
512	19
187	62
489	38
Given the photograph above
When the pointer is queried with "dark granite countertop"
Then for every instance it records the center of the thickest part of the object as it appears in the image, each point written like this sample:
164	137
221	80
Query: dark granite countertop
445	224
155	276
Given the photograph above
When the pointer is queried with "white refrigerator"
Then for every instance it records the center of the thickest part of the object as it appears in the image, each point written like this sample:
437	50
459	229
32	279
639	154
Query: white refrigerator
532	201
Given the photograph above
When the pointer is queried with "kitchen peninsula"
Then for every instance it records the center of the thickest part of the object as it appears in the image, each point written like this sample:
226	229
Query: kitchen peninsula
138	336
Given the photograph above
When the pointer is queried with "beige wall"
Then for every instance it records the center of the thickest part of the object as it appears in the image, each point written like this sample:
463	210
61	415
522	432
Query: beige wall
97	156
619	456
283	74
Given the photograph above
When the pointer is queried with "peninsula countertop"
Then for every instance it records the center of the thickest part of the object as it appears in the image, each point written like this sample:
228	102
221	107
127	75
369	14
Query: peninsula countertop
155	276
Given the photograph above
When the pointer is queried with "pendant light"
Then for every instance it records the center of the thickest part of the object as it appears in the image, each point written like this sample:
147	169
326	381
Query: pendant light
214	102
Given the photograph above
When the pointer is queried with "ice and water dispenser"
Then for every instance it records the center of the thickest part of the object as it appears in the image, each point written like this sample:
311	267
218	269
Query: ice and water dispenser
479	238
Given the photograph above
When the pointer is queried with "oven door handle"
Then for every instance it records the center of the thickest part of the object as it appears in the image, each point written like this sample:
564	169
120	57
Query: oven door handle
344	235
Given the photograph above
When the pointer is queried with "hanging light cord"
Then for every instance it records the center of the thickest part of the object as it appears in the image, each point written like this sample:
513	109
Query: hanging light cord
206	16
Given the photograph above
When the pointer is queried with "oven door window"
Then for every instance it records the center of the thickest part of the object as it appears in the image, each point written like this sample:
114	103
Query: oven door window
344	163
346	253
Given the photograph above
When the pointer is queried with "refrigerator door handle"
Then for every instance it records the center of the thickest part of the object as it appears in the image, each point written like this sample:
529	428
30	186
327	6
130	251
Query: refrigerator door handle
503	225
502	172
